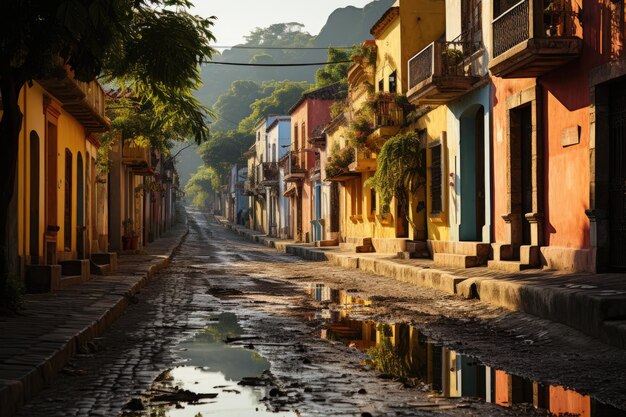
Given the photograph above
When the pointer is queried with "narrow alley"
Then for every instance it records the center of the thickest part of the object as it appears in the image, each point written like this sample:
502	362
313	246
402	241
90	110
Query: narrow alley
235	328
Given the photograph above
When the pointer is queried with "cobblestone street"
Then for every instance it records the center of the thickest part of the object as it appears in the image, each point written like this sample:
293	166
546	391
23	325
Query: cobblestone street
216	272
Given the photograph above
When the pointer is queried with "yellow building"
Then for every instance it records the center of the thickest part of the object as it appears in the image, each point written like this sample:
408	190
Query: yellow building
374	87
59	200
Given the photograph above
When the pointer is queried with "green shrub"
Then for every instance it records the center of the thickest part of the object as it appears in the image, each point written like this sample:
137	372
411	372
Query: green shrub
12	294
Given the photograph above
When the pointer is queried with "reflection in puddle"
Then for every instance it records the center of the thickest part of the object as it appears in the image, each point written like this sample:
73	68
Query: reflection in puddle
403	351
324	293
212	367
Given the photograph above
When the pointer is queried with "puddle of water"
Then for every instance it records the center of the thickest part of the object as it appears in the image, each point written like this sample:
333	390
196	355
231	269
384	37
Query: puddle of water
347	298
213	367
403	351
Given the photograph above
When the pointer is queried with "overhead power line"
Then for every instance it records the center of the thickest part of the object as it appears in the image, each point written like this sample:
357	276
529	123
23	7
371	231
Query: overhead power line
300	64
303	48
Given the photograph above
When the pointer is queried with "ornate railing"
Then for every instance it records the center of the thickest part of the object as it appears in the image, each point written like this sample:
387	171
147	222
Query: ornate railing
514	25
421	66
267	172
295	164
387	112
511	27
442	58
454	56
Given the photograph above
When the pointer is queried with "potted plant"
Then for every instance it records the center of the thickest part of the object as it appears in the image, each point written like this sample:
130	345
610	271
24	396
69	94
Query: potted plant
129	233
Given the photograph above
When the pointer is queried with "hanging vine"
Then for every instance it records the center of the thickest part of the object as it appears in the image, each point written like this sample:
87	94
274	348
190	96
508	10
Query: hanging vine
401	172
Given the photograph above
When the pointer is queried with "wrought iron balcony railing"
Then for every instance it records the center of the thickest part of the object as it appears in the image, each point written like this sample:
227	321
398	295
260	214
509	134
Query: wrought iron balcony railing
294	166
267	173
538	38
443	59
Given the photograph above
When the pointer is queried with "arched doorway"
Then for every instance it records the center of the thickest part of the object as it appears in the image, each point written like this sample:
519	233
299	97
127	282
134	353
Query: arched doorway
472	178
80	208
34	198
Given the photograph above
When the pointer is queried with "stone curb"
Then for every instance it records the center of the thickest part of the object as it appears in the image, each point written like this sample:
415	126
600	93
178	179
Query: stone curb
601	317
34	373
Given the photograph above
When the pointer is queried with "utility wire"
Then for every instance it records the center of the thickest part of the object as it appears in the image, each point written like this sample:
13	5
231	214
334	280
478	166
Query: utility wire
298	48
301	64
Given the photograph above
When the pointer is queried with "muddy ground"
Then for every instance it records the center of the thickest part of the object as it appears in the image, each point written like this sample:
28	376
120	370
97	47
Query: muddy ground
216	271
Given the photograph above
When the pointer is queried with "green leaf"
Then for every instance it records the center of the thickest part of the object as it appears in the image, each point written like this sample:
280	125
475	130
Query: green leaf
72	15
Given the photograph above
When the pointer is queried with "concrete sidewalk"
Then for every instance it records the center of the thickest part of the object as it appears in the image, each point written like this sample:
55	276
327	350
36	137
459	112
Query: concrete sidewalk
592	303
53	327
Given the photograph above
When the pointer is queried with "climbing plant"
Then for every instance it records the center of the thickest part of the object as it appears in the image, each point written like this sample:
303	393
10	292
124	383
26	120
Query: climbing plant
401	172
339	160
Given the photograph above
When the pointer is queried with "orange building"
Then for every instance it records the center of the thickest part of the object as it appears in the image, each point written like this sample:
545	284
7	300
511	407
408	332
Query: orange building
559	159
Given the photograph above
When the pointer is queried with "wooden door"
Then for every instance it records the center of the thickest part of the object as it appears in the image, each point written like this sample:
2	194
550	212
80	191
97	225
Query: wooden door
617	195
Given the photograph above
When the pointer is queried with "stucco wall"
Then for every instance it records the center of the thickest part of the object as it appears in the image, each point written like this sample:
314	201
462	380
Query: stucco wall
434	122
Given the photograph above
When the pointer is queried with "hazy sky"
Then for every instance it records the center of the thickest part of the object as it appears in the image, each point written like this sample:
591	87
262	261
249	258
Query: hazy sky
237	17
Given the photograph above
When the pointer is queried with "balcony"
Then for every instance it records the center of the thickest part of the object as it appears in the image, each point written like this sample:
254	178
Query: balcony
248	187
294	167
267	174
388	119
443	71
364	161
338	166
317	166
529	40
137	157
84	101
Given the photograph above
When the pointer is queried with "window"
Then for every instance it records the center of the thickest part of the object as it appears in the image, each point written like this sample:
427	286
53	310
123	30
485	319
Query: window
274	153
393	83
295	137
303	134
436	196
372	201
381	85
258	136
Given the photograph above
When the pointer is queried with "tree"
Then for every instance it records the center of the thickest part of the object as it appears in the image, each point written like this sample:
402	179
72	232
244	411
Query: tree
119	40
279	101
202	187
336	72
234	105
224	149
280	34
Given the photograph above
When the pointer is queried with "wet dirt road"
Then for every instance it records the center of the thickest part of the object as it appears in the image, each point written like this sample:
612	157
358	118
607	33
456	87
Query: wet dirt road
306	338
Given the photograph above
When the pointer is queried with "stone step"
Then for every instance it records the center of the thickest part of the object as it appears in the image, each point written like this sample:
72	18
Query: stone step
416	246
530	255
75	267
326	243
452	260
100	269
347	246
505	252
105	258
424	254
42	278
69	280
478	249
365	249
509	266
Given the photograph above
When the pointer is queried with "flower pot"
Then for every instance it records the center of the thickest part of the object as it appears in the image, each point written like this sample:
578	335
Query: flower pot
125	242
134	242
